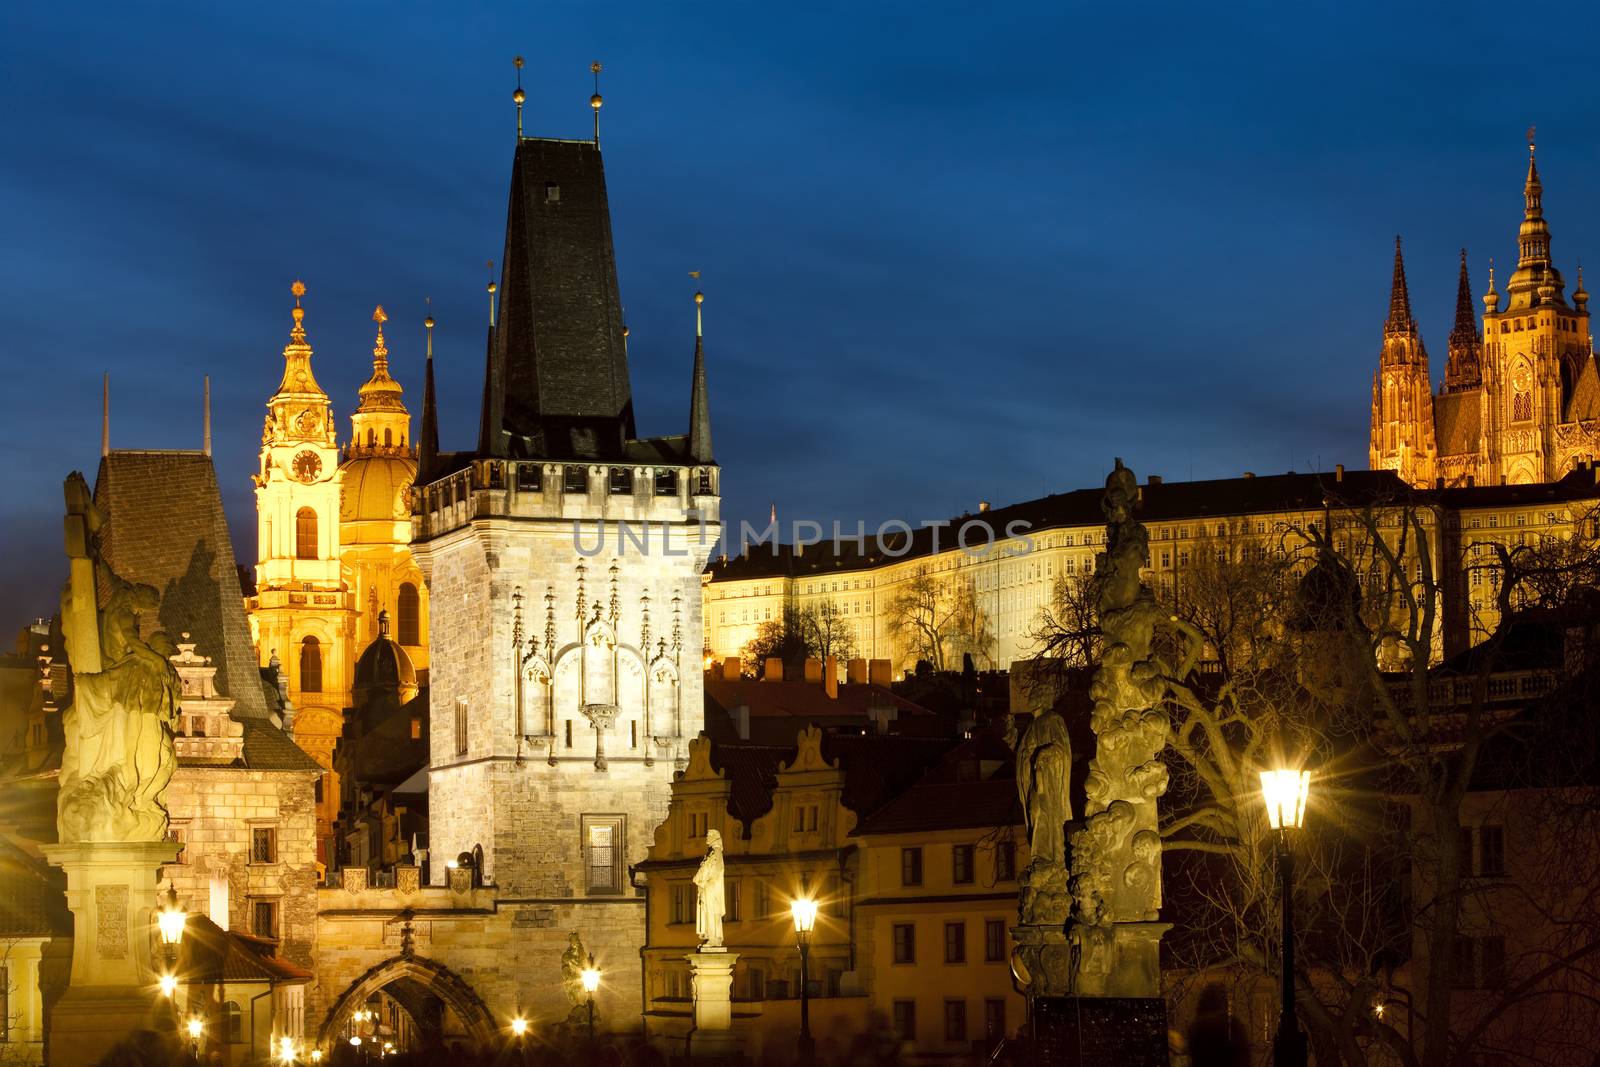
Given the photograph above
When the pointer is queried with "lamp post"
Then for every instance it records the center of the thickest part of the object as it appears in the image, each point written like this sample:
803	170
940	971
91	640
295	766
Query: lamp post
519	1031
197	1030
1285	793
591	982
804	911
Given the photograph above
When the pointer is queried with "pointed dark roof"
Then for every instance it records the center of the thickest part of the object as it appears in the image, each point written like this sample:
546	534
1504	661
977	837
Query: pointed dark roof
699	407
1462	369
557	383
1400	320
428	439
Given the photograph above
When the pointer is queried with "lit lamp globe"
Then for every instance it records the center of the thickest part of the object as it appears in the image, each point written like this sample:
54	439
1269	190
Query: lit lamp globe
286	1049
170	921
804	912
519	1026
1285	792
169	985
590	976
196	1028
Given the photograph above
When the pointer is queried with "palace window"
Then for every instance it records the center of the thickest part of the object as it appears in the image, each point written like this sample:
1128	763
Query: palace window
264	918
602	853
994	1018
263	844
905	1020
905	943
1005	861
731	910
408	610
305	534
955	942
911	866
961	865
955	1020
310	665
994	940
683	902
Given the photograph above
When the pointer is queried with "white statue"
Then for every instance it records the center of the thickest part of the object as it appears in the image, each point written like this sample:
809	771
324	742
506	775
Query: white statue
711	897
119	751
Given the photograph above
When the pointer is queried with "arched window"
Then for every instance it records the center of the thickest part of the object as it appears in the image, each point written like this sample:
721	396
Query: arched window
305	534
388	437
409	611
233	1023
1521	407
310	666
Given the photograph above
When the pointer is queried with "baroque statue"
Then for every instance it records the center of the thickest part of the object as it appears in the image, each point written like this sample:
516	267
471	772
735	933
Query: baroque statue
1044	773
710	896
573	961
119	752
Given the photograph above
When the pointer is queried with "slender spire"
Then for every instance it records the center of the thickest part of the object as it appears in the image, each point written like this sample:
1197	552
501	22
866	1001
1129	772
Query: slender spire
105	414
206	435
518	96
380	350
1462	366
1400	320
1491	297
699	402
428	443
595	101
1465	330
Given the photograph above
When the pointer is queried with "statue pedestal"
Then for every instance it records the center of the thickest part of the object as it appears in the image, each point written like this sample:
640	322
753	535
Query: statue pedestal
712	981
1041	959
111	890
1118	960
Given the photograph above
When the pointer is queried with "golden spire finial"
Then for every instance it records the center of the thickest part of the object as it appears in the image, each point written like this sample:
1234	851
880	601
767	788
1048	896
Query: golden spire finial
298	332
1531	146
595	101
380	351
427	324
699	299
518	96
489	265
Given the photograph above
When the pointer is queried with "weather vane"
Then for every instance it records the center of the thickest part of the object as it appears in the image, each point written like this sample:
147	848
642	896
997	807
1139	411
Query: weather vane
595	101
1530	137
518	96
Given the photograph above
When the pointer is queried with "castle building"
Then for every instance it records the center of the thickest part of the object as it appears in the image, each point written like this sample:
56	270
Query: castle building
563	557
1520	399
333	533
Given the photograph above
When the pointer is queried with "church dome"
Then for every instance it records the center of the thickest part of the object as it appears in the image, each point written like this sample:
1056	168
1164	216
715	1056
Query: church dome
384	665
376	488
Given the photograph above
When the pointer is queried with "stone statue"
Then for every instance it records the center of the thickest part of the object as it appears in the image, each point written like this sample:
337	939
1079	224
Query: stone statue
711	897
573	961
1044	770
119	752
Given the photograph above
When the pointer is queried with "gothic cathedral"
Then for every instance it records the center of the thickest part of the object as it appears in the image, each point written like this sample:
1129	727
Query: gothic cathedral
1520	400
334	564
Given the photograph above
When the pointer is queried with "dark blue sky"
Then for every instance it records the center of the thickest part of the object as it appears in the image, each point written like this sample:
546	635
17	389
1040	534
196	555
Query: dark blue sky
950	251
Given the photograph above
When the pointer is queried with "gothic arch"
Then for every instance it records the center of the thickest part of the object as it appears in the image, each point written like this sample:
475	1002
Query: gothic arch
444	983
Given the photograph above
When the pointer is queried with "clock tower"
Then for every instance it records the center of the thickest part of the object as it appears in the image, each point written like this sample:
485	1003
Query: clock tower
302	612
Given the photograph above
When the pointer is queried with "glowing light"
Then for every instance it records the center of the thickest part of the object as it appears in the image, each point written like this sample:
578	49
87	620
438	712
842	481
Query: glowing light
316	1055
519	1026
355	1041
286	1049
804	911
197	1027
1285	793
169	985
170	920
590	976
1378	1010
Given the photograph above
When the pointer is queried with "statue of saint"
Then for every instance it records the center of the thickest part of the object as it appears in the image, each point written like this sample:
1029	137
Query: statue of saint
711	897
119	752
573	961
1044	771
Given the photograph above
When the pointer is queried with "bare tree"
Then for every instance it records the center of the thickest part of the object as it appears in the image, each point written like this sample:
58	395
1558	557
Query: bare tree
939	619
828	630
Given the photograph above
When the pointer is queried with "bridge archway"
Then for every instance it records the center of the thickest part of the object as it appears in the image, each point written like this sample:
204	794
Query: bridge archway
410	979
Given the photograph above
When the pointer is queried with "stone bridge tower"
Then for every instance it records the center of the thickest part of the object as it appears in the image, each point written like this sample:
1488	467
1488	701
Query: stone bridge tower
563	558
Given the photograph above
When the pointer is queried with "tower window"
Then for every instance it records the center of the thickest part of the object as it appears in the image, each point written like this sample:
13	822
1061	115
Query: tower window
388	437
528	477
552	192
575	479
310	665
408	611
621	481
305	534
461	727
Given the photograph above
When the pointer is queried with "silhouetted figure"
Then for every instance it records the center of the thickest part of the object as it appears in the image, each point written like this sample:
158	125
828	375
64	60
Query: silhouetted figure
1216	1039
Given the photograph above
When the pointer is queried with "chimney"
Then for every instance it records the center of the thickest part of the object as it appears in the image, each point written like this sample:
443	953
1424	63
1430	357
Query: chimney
1249	474
856	671
730	669
773	671
830	677
813	670
983	506
741	721
1338	472
1155	479
879	672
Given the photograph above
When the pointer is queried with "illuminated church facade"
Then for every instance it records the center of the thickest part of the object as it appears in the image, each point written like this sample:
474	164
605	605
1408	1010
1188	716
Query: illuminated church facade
1520	399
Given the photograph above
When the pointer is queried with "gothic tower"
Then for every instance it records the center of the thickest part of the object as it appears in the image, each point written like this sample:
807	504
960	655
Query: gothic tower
1536	348
563	558
301	613
1402	393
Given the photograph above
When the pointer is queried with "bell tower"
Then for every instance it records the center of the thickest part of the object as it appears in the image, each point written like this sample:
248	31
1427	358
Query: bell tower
300	612
1402	437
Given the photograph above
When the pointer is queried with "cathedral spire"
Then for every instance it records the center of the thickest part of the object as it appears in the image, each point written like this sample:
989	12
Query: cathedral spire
297	377
1462	367
1400	320
1536	281
699	402
428	444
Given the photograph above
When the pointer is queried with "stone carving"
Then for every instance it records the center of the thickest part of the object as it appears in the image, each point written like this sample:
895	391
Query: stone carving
111	921
1044	770
119	751
1116	856
710	896
573	961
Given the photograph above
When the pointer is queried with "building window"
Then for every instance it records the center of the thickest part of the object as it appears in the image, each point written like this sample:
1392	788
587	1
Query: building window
994	1019
305	534
416	729
911	866
233	1023
667	483
408	613
310	665
575	479
905	1020
177	834
763	901
1005	861
699	822
5	1004
1491	851
994	940
805	818
905	943
683	902
621	481
263	844
528	480
955	1020
731	893
461	727
1521	407
264	918
961	865
955	942
602	853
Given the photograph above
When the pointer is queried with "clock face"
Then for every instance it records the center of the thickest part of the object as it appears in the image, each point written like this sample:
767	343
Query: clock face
307	466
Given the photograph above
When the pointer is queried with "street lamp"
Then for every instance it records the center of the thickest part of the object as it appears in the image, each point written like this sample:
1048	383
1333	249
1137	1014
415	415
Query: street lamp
591	982
804	911
519	1030
286	1050
1285	792
170	921
197	1029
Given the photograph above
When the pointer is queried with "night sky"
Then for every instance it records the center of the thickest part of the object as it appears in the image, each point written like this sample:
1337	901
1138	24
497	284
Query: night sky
950	252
